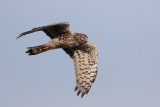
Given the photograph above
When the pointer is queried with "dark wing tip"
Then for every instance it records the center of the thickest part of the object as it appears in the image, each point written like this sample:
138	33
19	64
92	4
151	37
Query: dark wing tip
79	91
76	88
25	33
82	95
20	35
30	31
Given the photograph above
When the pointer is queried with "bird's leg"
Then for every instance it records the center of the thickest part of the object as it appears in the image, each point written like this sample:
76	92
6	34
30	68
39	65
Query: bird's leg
58	42
53	44
37	49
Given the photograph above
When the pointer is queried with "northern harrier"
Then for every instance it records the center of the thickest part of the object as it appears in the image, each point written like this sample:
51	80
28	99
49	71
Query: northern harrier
84	54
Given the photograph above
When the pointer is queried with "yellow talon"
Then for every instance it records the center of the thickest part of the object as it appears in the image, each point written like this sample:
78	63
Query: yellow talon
46	48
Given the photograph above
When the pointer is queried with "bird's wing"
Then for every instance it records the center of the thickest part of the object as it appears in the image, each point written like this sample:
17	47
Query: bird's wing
85	60
52	30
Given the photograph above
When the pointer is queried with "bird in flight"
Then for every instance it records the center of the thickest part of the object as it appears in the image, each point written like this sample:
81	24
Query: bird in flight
83	54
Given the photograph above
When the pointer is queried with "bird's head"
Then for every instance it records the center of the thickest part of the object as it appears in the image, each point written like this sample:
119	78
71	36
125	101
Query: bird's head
81	38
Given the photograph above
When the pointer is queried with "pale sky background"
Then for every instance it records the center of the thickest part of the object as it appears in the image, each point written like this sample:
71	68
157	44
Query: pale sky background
127	33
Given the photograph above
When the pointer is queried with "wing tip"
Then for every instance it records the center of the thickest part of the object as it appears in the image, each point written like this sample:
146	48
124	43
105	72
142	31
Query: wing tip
20	35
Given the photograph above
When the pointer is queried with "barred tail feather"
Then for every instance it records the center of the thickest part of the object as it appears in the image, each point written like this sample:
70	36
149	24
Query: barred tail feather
37	49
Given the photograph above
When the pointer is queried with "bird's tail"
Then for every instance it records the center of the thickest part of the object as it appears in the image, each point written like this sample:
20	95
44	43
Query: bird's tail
37	49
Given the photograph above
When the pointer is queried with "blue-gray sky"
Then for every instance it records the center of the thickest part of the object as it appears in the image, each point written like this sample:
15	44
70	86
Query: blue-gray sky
127	33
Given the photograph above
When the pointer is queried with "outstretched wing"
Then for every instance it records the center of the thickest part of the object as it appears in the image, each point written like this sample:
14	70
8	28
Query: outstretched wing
52	30
85	60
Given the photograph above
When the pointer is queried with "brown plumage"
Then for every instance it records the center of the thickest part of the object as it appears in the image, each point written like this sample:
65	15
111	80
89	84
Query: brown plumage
84	55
